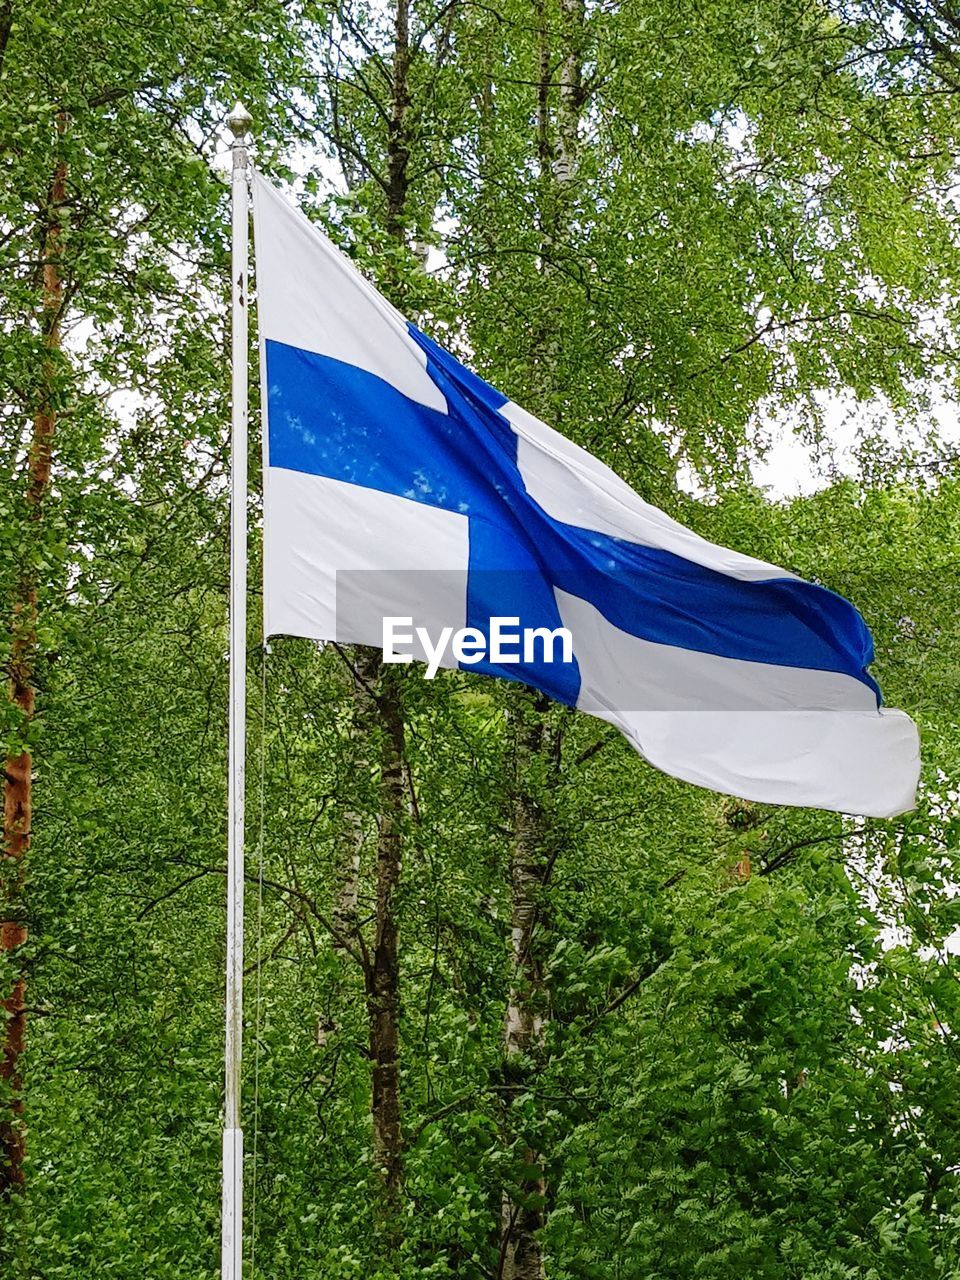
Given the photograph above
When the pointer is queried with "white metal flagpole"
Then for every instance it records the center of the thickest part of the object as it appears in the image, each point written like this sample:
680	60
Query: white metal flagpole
231	1242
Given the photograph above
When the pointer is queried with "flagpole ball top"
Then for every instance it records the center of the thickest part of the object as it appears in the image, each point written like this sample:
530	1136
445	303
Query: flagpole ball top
239	121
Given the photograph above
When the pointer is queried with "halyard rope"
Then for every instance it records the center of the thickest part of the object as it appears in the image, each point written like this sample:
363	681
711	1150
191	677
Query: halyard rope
261	819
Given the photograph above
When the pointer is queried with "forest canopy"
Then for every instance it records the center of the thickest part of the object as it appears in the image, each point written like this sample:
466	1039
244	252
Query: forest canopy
519	1007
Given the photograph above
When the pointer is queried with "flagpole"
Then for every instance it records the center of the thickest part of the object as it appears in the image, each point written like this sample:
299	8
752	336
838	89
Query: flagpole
231	1240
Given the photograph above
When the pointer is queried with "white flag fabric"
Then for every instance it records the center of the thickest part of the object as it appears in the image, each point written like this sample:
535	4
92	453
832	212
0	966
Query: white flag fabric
398	484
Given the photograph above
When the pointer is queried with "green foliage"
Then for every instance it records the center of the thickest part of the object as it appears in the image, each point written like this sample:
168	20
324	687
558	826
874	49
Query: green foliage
743	1074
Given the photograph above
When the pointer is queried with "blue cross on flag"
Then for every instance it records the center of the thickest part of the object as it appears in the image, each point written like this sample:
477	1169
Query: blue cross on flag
402	493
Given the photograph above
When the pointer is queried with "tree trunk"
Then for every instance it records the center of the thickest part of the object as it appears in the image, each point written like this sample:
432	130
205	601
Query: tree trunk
382	971
18	769
522	1211
398	146
383	968
570	99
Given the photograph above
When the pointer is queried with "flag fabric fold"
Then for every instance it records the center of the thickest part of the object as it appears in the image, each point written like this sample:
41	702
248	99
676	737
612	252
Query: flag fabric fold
398	484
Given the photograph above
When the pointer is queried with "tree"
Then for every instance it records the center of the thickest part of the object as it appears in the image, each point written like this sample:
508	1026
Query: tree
103	127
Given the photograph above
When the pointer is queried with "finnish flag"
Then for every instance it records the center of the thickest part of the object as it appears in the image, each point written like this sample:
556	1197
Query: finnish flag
398	485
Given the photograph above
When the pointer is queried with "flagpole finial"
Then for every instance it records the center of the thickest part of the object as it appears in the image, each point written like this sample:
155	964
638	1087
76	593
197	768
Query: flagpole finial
239	121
